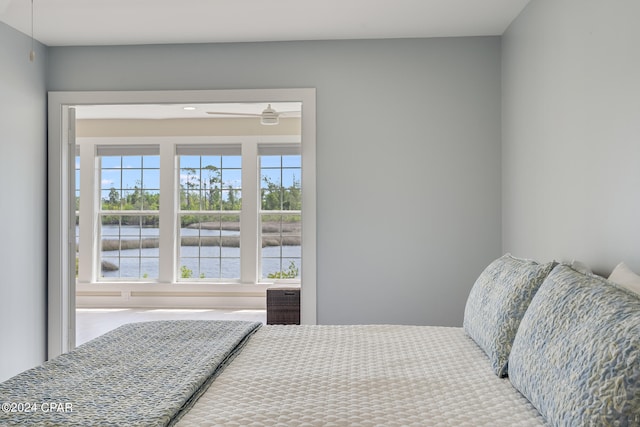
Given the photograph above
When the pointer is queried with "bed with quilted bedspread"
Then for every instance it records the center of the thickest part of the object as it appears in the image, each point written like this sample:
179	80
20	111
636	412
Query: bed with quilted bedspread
541	344
372	375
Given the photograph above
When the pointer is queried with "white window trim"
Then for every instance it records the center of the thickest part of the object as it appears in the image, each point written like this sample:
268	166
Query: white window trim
61	203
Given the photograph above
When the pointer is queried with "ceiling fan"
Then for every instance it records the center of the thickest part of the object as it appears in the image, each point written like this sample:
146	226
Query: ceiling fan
269	115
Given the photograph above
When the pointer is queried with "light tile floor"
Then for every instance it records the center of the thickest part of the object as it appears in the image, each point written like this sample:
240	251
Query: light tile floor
93	322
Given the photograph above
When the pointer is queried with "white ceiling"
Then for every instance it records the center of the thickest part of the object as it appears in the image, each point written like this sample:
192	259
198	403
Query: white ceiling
119	22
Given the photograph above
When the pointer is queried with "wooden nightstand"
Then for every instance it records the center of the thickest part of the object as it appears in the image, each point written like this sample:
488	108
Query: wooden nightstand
283	306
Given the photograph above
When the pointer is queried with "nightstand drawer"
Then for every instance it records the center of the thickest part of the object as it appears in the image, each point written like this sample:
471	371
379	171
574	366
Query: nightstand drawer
283	306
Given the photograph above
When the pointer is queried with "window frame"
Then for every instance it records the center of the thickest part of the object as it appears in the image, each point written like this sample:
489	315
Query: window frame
216	147
169	149
280	151
101	150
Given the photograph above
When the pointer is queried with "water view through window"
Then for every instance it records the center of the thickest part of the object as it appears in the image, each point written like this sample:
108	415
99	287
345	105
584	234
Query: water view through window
209	198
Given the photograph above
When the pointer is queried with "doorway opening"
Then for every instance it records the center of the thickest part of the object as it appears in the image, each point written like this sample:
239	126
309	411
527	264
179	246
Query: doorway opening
179	200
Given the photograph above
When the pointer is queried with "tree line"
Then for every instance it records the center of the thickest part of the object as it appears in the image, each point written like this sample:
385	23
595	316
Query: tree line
197	194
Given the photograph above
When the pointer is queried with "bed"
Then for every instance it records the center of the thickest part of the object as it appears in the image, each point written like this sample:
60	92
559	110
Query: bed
541	344
371	375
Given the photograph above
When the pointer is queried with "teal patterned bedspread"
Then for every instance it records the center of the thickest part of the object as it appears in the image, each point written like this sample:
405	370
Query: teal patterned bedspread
141	374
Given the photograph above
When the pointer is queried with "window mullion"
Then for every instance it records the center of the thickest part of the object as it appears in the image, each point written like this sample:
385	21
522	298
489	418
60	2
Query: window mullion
249	231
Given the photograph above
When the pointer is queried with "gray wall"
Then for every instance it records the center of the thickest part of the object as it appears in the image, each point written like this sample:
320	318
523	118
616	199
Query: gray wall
408	156
571	132
408	127
23	151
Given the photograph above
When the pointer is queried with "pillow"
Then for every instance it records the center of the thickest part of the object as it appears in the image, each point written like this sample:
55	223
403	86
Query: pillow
623	276
498	300
576	355
581	267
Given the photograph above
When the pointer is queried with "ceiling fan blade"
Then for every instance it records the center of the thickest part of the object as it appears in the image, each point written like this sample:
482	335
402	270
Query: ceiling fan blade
221	113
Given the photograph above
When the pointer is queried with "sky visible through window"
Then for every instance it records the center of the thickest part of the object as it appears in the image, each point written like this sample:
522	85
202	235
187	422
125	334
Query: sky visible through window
153	180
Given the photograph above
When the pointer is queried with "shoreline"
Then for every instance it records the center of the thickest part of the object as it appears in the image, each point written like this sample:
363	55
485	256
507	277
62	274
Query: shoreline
273	234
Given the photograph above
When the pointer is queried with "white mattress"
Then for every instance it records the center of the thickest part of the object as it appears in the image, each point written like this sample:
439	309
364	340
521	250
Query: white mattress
374	375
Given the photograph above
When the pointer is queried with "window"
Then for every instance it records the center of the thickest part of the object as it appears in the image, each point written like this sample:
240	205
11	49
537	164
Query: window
210	195
280	214
218	191
129	212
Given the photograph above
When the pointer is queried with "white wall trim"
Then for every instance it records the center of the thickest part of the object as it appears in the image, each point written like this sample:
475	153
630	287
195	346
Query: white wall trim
61	285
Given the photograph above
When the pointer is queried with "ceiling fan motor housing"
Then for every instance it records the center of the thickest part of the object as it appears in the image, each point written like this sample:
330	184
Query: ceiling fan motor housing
269	116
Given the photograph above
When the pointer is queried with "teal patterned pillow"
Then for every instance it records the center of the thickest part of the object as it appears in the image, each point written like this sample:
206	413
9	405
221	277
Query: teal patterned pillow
498	300
576	355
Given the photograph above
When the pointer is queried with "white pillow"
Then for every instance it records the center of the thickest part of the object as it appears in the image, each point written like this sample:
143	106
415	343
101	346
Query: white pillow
623	276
